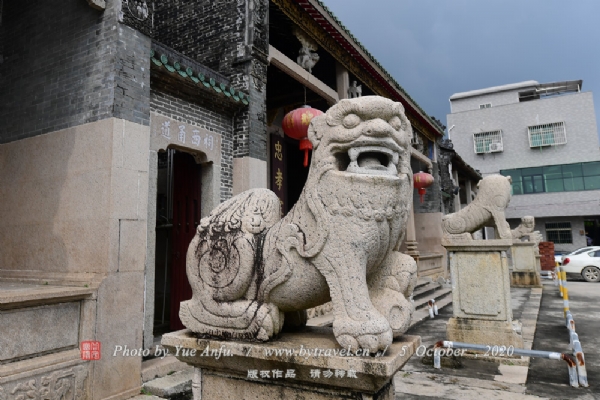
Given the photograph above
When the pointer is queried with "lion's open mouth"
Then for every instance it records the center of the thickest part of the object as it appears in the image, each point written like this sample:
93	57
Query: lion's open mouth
369	160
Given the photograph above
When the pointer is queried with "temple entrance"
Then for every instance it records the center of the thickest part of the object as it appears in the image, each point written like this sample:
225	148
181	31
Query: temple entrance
178	215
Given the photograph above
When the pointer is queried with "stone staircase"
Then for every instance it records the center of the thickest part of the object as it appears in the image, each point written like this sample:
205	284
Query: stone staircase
426	290
171	379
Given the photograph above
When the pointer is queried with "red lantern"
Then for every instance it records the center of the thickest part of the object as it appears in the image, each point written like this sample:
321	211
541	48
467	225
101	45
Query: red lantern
422	180
295	125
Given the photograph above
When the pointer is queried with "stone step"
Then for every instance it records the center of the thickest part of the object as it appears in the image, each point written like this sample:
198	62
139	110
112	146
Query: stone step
422	282
442	296
438	386
159	367
170	386
422	314
437	295
425	290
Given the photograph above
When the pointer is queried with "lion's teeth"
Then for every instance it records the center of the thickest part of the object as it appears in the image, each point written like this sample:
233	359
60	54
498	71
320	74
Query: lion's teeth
353	153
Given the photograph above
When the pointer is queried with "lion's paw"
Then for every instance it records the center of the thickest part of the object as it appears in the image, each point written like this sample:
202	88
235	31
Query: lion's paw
373	335
395	308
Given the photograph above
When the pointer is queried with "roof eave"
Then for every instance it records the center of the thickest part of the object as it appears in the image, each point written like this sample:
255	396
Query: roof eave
321	14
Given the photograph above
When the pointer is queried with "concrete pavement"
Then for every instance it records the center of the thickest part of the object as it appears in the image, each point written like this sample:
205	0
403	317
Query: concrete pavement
543	379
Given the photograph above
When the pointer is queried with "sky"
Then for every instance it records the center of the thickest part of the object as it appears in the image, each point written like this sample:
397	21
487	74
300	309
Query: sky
435	48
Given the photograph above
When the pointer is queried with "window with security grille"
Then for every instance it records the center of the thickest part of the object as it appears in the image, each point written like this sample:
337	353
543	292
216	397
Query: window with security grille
547	134
487	142
559	232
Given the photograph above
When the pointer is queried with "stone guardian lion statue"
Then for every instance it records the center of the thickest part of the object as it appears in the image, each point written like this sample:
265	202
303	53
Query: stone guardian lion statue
486	209
247	267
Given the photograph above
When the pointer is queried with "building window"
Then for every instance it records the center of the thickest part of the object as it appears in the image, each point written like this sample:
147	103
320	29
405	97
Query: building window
486	105
547	134
487	142
555	178
559	232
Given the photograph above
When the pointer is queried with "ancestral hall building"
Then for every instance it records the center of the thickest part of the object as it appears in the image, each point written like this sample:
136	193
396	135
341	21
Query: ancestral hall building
545	137
122	123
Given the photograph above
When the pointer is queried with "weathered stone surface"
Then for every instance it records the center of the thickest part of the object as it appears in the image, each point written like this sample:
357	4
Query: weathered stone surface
21	334
481	293
526	269
247	267
226	372
486	209
480	285
523	255
170	385
119	323
64	381
525	279
493	333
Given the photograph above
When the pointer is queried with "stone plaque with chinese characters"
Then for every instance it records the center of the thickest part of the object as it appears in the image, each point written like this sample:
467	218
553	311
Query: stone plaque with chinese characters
167	132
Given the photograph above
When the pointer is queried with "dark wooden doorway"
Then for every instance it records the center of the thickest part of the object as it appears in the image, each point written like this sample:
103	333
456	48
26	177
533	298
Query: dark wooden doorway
186	217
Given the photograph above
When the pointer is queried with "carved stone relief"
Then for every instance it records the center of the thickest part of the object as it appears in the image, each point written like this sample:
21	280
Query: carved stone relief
137	8
307	58
65	384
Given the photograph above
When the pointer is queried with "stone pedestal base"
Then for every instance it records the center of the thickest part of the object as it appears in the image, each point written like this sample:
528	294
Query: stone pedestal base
526	265
481	293
493	333
287	368
525	279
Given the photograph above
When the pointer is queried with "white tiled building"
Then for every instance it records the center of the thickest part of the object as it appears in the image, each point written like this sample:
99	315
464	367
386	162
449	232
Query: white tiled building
546	138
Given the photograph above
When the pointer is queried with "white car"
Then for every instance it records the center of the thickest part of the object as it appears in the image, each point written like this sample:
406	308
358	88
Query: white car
561	258
585	264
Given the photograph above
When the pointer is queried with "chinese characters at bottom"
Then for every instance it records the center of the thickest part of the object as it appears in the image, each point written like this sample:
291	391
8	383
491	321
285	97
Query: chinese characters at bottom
291	373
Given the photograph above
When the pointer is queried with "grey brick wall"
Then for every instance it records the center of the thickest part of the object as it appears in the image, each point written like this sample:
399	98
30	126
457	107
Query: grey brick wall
66	64
233	41
219	121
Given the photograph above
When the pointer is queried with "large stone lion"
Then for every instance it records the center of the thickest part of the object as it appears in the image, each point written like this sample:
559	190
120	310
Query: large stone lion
247	267
487	209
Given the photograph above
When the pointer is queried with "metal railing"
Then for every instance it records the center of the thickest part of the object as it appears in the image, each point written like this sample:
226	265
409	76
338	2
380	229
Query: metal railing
575	361
560	280
569	359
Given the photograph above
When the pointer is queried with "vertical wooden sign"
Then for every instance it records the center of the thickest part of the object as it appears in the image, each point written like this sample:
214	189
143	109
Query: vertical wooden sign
278	171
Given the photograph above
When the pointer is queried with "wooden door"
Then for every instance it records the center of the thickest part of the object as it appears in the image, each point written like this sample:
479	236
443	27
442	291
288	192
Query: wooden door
186	217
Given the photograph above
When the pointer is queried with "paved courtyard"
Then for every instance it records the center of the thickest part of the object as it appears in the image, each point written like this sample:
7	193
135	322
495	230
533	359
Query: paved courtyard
544	379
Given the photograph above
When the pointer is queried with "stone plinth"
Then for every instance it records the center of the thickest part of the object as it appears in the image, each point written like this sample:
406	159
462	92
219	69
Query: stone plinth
526	265
230	375
41	327
481	293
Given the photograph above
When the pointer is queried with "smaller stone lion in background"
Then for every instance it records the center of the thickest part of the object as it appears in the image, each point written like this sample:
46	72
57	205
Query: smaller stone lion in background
486	209
525	231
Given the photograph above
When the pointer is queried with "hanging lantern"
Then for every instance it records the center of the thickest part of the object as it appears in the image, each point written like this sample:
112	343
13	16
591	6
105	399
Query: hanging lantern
422	180
295	125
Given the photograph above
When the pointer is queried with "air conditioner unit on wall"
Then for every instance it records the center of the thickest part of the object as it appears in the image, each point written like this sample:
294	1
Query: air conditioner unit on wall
496	147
